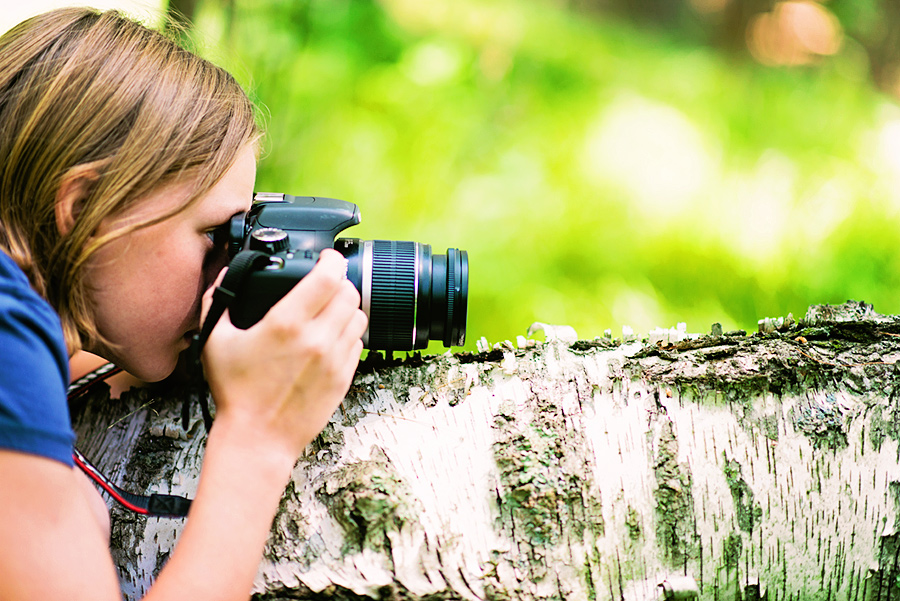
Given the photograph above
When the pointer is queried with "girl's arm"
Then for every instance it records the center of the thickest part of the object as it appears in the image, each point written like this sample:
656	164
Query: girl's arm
53	547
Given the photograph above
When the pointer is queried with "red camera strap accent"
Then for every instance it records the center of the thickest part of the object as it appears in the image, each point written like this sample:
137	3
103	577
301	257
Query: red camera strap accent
168	506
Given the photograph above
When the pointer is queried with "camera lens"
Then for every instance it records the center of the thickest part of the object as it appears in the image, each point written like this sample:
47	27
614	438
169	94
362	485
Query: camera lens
410	295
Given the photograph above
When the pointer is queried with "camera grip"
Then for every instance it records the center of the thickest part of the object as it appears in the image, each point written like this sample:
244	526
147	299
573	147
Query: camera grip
265	286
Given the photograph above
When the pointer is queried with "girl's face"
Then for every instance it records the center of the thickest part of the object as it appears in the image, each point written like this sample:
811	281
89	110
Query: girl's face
146	286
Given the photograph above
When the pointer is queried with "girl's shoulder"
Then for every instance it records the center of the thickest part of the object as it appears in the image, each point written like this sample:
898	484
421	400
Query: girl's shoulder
10	274
33	371
19	298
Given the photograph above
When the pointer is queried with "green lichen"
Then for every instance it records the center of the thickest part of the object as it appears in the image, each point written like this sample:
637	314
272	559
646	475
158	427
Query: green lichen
885	580
748	511
885	421
368	500
768	424
542	496
588	574
732	547
879	428
674	501
531	496
815	333
633	523
822	422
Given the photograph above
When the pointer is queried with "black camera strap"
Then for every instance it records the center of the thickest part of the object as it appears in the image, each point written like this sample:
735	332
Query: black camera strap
240	267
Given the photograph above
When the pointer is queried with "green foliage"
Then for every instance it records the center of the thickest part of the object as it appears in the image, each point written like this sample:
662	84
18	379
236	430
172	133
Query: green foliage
599	175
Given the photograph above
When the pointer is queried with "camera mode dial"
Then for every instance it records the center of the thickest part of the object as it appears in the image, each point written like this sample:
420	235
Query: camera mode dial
270	240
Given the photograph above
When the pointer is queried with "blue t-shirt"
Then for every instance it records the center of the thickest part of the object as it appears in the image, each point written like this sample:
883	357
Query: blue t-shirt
34	371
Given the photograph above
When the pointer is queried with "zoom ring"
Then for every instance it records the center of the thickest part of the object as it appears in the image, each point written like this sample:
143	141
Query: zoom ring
393	304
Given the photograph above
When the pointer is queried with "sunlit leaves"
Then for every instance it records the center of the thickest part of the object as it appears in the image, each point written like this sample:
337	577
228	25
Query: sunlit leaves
597	173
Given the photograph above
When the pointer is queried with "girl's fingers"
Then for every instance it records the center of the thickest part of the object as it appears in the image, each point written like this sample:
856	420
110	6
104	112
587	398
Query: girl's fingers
314	292
340	307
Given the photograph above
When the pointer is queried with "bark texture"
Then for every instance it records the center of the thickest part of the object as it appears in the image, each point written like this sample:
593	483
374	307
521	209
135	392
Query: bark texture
723	466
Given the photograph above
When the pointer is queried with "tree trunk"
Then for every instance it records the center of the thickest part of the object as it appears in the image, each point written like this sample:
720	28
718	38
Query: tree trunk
714	467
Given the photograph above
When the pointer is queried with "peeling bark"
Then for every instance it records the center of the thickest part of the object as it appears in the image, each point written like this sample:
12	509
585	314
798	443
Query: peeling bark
724	466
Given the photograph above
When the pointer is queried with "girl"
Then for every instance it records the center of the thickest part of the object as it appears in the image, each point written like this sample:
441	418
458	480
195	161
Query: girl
119	153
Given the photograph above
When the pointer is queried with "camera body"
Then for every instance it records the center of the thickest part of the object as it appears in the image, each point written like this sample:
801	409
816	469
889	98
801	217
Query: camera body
410	294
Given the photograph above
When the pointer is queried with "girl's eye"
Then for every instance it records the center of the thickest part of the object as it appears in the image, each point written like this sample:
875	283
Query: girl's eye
217	251
217	235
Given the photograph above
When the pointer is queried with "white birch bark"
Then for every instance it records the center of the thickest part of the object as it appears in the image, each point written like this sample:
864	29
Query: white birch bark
719	467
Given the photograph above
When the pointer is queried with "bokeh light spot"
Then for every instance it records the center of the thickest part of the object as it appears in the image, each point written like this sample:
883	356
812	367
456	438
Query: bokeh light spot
652	151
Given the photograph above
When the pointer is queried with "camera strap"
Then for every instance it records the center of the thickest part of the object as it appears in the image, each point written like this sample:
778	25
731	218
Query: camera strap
240	267
153	505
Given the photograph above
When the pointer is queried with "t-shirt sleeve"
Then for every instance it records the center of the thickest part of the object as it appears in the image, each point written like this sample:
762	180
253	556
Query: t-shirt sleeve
34	414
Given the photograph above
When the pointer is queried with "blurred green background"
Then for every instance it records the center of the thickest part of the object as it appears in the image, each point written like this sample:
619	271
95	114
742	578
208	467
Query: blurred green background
603	162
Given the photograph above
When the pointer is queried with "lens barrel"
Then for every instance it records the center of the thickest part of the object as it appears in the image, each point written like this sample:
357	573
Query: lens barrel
410	294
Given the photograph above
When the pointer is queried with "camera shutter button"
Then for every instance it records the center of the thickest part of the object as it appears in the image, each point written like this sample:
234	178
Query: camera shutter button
269	239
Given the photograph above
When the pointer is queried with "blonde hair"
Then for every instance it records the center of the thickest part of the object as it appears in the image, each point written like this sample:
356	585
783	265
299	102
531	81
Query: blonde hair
84	90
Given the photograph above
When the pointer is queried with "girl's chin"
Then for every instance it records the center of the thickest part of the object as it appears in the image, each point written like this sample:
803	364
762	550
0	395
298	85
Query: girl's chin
149	365
150	369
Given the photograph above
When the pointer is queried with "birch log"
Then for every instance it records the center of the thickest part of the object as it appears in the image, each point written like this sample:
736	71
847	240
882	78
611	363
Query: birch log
723	466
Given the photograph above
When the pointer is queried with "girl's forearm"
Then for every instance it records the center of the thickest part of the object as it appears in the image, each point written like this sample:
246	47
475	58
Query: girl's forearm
241	483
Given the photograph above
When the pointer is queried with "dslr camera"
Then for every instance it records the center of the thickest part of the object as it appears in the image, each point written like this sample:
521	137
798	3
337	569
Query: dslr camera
410	294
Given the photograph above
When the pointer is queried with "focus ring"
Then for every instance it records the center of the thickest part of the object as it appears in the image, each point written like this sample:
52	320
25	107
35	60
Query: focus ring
393	295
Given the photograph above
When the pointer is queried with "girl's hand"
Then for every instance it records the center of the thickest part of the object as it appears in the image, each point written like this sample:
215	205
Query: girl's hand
279	382
276	385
